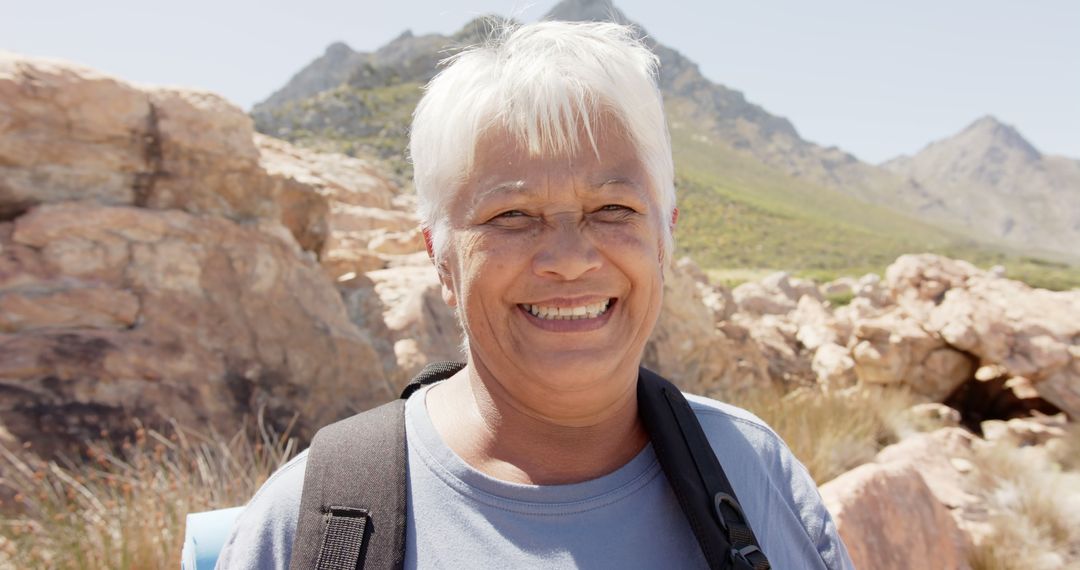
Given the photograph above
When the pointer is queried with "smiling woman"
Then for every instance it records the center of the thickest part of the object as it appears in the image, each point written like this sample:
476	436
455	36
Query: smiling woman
559	233
544	175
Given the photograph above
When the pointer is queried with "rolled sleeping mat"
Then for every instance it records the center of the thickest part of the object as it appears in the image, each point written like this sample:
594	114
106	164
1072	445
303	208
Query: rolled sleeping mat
204	535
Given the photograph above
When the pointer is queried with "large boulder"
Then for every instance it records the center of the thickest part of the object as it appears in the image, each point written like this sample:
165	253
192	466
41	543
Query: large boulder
68	132
911	507
109	313
942	458
890	520
71	133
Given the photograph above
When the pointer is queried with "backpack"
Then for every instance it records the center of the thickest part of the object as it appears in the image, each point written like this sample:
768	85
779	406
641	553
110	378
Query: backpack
352	511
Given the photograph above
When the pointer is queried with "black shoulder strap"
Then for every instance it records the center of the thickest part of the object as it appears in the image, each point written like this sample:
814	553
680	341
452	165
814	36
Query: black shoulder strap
352	510
696	476
432	373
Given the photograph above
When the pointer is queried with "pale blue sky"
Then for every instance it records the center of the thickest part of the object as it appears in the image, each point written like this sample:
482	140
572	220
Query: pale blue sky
874	78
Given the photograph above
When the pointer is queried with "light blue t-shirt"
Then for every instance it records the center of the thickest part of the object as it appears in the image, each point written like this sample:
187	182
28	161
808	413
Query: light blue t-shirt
459	517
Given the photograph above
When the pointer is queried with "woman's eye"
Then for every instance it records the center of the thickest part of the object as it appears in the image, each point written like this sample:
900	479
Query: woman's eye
509	216
616	208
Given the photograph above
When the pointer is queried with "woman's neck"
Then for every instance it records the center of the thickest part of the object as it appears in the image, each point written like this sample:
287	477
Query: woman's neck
524	442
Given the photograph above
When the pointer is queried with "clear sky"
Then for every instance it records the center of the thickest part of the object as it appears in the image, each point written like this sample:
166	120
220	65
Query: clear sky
875	78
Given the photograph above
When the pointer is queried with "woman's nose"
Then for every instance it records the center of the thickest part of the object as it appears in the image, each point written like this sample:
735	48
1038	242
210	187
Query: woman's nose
565	251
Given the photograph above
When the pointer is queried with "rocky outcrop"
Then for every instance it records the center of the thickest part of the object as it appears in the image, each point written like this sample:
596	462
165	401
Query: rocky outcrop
1029	333
365	221
894	349
71	133
115	312
161	260
692	343
933	326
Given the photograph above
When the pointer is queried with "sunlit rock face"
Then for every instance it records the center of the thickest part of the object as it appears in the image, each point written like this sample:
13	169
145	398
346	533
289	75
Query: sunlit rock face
159	260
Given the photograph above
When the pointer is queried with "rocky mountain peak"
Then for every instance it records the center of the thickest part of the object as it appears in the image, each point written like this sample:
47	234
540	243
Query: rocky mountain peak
989	178
586	11
338	50
988	132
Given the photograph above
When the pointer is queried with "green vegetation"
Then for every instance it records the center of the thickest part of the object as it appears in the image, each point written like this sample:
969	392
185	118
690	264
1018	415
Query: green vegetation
738	214
839	299
351	120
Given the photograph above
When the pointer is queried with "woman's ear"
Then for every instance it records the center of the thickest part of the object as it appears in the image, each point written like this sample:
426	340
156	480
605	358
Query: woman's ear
674	218
427	243
448	295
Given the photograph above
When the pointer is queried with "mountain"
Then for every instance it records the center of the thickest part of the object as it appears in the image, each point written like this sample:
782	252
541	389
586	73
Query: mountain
327	71
587	11
345	100
787	203
989	178
747	127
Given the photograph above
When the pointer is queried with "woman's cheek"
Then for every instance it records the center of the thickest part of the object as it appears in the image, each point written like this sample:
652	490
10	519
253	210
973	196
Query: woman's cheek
624	237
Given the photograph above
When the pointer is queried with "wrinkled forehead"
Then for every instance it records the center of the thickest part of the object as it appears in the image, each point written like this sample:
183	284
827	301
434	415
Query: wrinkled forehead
600	151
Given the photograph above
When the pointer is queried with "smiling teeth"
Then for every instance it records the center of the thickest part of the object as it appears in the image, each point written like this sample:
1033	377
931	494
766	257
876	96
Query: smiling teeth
569	313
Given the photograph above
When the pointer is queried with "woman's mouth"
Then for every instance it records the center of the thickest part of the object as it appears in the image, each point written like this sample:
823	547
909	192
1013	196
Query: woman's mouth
587	311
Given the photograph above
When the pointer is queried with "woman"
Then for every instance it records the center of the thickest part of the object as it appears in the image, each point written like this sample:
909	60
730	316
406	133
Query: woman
545	181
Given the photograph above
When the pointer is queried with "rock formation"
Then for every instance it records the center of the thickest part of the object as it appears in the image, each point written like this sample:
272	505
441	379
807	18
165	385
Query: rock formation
160	260
933	325
114	312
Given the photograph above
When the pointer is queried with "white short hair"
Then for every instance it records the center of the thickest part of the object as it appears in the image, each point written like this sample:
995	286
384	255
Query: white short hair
541	82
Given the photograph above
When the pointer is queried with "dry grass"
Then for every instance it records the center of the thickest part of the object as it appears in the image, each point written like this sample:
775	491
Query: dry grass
124	508
832	433
1034	506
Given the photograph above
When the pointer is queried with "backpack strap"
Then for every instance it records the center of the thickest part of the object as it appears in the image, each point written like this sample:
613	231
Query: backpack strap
432	373
353	504
704	492
352	510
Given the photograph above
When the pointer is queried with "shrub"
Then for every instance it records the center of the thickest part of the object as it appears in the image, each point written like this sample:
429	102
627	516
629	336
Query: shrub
125	508
1034	506
832	433
840	299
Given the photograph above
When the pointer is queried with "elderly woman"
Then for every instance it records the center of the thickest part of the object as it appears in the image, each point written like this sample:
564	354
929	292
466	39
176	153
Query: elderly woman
545	181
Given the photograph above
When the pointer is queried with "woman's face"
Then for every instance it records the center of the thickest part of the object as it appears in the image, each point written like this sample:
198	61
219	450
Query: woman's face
555	263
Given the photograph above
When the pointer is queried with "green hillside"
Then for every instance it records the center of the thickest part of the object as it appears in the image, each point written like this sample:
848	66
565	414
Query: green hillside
737	213
350	120
740	218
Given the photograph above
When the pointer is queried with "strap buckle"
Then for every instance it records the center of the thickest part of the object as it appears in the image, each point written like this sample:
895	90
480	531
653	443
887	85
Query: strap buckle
740	557
721	498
